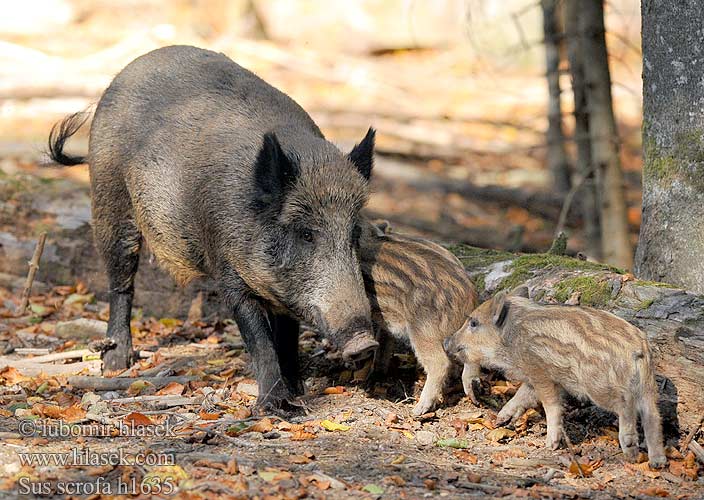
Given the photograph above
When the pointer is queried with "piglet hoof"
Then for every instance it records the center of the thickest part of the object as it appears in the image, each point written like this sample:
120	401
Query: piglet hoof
472	388
631	454
554	440
360	347
421	408
658	461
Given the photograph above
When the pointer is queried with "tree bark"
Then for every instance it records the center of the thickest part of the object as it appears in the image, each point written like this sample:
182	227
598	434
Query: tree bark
587	194
671	243
604	137
557	155
672	318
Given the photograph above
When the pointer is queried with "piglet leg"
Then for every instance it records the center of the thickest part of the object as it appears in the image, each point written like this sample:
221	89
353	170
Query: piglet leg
524	399
549	395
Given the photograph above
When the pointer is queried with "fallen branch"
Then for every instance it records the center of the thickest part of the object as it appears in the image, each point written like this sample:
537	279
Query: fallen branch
697	449
120	383
31	369
33	266
691	435
61	356
165	401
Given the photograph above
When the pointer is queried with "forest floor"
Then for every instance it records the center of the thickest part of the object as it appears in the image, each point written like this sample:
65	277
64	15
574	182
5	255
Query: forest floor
355	440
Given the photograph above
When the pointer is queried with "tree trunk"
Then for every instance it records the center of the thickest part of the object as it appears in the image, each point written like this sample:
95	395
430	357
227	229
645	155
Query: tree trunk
673	319
557	155
671	244
604	137
587	194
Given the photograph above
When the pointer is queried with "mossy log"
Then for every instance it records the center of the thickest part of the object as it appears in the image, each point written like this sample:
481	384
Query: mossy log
672	318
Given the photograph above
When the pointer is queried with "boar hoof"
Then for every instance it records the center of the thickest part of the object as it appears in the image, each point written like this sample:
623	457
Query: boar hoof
658	462
472	388
360	347
553	442
117	359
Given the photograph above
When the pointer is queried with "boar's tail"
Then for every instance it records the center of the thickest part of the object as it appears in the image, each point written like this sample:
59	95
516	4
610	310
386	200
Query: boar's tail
60	132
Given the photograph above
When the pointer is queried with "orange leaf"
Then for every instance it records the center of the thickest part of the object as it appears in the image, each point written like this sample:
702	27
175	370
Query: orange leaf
208	416
263	426
334	390
302	435
73	413
643	468
136	419
171	389
12	375
654	491
464	456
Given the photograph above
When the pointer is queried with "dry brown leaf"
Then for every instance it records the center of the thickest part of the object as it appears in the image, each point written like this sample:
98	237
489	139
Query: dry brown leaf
334	390
12	375
500	456
459	425
643	468
396	480
655	491
587	467
500	434
136	419
302	435
210	464
299	459
521	424
263	426
465	456
204	415
171	389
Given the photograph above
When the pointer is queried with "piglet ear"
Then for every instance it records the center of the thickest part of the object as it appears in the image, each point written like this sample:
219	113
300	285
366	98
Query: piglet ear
362	155
499	309
275	171
521	291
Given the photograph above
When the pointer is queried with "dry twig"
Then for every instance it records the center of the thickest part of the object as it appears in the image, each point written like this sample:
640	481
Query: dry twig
33	266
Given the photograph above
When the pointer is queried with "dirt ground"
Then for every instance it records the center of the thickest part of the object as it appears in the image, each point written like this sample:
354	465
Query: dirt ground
354	438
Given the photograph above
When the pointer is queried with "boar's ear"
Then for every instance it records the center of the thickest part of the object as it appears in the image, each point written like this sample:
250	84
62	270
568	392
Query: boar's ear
499	309
520	291
275	171
362	155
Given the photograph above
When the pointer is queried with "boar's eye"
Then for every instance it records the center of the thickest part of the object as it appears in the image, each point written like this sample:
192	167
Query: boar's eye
307	235
473	323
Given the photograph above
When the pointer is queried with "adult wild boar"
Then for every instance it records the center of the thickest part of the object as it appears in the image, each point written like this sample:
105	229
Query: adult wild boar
225	177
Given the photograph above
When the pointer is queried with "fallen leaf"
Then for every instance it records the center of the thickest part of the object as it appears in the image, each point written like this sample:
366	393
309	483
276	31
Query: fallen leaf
138	387
171	389
299	459
263	426
521	424
12	376
334	390
654	491
302	435
329	425
452	443
170	322
466	457
587	467
643	468
136	419
274	476
498	435
395	480
398	460
391	419
500	456
373	489
204	415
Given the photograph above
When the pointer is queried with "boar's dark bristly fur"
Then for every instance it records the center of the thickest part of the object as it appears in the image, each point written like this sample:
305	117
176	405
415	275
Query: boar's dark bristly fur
225	177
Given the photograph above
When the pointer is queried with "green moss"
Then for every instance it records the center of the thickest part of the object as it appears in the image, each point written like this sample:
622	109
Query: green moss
669	163
655	284
594	291
645	304
523	267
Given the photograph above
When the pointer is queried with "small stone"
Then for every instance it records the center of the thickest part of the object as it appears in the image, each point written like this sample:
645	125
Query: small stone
271	435
426	438
81	328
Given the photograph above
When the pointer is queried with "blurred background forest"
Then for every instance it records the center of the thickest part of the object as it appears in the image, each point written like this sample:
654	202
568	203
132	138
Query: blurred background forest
475	144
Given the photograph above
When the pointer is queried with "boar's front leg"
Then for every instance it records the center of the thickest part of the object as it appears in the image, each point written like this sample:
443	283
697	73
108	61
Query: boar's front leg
286	331
471	381
627	433
252	318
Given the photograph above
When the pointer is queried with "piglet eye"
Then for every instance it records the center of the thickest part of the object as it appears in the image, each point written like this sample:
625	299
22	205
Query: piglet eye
307	235
473	323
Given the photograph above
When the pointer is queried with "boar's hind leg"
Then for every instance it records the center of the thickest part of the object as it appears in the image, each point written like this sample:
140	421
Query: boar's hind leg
652	428
434	360
549	394
118	241
627	433
286	330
